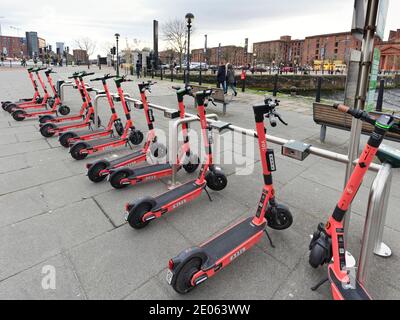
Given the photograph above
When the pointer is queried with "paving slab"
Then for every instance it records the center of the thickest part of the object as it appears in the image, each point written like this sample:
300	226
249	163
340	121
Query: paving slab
31	241
113	265
27	285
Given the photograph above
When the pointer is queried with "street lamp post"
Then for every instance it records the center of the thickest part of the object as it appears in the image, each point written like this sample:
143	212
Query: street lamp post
189	18
117	35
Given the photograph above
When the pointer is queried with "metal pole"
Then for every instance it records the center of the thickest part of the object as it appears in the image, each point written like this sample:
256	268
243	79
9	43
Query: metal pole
362	87
188	55
275	85
379	103
380	248
374	221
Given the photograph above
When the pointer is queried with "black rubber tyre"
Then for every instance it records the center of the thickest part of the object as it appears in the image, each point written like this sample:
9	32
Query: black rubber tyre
50	102
136	215
10	108
317	256
45	130
19	115
281	220
116	177
191	166
94	172
45	119
64	110
65	137
119	128
5	104
184	277
136	137
216	181
76	151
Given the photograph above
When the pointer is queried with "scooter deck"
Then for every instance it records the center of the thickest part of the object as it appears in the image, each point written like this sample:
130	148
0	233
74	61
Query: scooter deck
358	293
82	133
149	170
231	239
74	117
131	156
66	125
176	193
101	142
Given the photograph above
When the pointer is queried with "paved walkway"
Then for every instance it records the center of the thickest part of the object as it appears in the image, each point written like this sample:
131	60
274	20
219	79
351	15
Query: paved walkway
51	215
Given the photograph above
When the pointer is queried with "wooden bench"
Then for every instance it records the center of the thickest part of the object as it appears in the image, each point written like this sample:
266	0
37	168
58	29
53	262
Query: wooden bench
326	116
219	95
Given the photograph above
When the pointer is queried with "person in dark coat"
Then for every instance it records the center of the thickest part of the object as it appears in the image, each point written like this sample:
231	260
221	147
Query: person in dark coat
138	69
221	77
230	79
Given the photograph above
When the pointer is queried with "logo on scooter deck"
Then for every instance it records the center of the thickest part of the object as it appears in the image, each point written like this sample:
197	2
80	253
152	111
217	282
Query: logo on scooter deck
238	254
179	204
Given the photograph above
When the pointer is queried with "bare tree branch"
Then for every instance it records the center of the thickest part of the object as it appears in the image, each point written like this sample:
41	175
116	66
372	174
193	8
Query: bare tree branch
174	33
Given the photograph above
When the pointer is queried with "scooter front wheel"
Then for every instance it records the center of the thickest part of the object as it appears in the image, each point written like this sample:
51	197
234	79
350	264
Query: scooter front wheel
183	283
136	214
64	110
136	137
317	256
279	218
4	104
216	181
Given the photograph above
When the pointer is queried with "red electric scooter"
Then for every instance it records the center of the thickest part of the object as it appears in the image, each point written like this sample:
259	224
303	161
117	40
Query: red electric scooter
194	266
36	97
46	100
71	137
140	213
100	170
76	117
125	176
82	149
20	114
50	129
328	245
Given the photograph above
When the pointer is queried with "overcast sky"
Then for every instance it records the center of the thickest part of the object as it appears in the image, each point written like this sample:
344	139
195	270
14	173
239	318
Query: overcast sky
228	22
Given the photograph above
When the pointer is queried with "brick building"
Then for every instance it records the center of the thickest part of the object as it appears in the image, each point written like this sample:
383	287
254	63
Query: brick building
390	52
13	47
283	51
232	54
80	56
335	46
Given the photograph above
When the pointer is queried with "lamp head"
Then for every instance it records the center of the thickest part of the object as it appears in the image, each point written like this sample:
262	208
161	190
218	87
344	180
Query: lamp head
189	18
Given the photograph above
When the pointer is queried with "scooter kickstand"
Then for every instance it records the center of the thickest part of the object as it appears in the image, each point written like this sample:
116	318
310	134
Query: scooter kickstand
270	239
208	194
321	283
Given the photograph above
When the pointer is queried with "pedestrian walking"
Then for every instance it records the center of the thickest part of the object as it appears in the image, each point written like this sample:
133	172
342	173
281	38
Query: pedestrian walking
231	79
221	77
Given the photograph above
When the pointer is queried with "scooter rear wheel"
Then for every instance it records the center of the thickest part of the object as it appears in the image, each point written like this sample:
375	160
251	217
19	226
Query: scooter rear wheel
65	137
183	279
94	172
117	177
76	151
136	214
18	115
45	119
47	130
4	104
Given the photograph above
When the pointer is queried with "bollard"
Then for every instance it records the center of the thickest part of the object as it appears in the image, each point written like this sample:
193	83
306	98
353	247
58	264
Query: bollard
172	75
319	87
162	73
276	79
379	103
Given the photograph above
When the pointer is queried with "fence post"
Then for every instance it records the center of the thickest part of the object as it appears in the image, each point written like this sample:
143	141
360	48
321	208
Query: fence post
200	76
162	73
319	87
379	103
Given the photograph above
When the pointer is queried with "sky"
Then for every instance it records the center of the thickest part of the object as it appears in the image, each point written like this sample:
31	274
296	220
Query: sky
225	22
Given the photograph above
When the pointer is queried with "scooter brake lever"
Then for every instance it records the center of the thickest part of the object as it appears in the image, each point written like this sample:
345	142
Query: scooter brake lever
281	120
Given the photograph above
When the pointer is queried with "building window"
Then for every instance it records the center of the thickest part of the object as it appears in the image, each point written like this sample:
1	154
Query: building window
337	44
336	51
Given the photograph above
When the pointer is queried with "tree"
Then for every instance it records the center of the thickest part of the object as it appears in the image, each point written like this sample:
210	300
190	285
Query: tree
174	32
88	45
